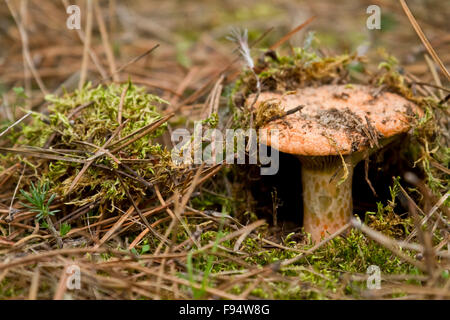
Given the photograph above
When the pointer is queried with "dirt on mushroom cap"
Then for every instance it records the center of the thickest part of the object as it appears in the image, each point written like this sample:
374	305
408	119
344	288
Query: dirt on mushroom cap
337	118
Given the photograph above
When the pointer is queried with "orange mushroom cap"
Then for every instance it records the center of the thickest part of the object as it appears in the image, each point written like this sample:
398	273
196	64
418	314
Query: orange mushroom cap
336	118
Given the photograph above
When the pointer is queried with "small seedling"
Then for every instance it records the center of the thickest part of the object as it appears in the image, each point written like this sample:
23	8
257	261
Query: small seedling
37	199
64	229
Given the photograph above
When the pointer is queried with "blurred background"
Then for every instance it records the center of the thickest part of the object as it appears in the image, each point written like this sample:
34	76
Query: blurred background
192	38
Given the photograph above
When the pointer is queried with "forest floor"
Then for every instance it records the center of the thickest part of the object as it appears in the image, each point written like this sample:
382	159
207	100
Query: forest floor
88	186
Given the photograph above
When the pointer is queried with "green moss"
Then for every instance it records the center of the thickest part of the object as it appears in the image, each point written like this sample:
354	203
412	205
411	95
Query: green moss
80	122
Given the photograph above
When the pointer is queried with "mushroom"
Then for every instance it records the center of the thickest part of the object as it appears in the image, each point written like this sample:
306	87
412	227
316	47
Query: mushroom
337	124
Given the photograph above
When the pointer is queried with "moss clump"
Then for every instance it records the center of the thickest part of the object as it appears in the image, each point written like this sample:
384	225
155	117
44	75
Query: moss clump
284	74
267	111
77	126
287	73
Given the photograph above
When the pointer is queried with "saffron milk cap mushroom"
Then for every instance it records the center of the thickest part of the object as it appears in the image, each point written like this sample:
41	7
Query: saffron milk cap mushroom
336	127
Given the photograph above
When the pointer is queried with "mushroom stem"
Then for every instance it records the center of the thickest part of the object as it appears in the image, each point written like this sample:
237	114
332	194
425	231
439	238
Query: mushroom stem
327	205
